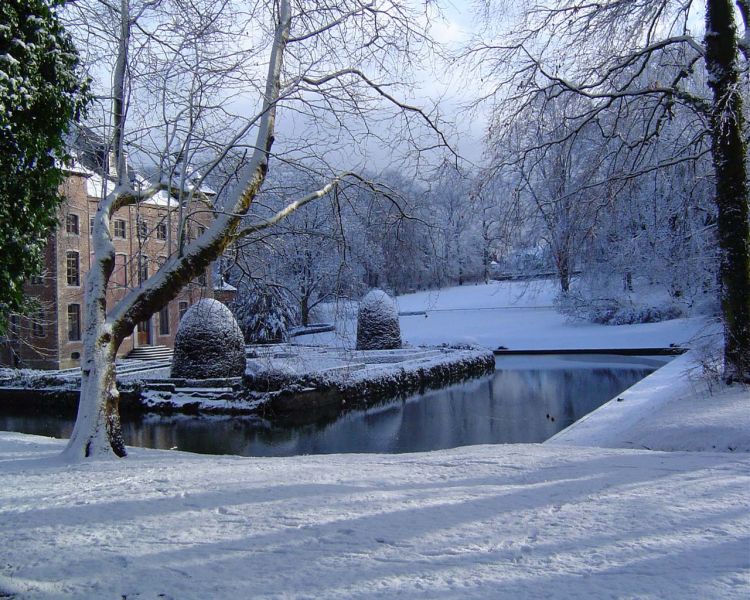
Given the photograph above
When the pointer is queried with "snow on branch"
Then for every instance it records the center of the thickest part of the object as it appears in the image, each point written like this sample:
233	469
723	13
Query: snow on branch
297	204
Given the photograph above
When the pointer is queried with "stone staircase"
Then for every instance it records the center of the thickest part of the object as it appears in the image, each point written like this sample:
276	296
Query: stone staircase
151	353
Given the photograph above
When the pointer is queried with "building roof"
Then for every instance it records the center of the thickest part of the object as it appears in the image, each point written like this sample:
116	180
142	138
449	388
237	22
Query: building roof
91	159
223	286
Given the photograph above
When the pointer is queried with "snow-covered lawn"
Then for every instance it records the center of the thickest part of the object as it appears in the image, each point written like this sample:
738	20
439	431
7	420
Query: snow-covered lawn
516	521
559	520
517	315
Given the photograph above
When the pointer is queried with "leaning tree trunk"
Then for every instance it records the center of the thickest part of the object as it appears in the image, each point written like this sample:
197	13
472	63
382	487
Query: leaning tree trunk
97	430
729	151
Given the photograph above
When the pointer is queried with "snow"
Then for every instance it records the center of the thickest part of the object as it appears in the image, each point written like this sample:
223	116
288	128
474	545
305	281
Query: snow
584	515
162	198
98	187
223	286
517	315
673	407
518	521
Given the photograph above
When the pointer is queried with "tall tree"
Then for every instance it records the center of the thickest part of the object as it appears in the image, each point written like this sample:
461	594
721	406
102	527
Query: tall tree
638	64
41	94
729	150
178	69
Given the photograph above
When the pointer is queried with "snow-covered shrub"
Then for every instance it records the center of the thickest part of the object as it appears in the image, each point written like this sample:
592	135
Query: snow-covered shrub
268	376
208	343
265	313
611	311
377	322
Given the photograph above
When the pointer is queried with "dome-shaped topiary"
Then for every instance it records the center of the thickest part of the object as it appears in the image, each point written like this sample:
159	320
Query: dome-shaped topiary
208	343
377	322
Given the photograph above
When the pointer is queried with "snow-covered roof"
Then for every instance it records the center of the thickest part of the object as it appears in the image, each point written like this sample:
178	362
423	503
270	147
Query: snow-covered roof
223	286
74	167
97	186
162	198
190	186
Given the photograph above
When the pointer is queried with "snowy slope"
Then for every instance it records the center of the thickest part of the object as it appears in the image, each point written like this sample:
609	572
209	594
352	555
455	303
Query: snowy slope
674	408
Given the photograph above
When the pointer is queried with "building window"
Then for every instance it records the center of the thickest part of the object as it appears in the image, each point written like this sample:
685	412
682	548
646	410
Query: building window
161	231
183	307
164	321
144	326
120	229
71	223
74	322
194	232
142	229
37	323
142	269
120	274
73	268
91	225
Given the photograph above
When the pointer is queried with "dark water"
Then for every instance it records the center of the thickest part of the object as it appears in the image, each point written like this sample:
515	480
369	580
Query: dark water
516	404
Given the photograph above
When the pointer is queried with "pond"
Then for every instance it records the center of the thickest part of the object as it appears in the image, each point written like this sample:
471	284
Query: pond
528	399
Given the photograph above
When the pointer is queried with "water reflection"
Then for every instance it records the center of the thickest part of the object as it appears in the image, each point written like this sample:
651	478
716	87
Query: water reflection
514	405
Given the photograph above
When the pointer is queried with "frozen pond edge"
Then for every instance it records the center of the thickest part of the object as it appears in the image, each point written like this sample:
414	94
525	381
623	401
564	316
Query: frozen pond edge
623	412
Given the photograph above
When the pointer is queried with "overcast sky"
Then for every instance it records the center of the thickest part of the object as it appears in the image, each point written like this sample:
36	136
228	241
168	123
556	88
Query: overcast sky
435	82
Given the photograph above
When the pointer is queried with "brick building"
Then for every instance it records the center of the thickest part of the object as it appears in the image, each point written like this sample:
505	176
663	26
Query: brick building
144	236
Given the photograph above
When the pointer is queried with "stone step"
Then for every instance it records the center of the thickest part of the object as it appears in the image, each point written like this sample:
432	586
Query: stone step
151	353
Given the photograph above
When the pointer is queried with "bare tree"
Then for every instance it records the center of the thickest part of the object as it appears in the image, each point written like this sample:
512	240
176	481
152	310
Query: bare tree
553	193
301	255
171	58
491	223
637	64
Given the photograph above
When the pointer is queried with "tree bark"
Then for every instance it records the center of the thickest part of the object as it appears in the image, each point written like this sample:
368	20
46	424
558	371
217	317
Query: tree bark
729	151
97	431
305	310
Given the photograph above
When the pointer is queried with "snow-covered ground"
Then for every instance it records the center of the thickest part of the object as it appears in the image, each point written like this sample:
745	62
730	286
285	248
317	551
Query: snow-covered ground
516	521
675	408
562	519
517	315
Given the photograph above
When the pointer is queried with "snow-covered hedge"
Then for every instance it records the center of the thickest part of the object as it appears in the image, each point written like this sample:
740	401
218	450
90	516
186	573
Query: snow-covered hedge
377	322
379	382
609	311
267	377
208	343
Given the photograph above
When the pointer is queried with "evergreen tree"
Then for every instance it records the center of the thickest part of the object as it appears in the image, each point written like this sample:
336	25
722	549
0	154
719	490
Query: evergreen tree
41	93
